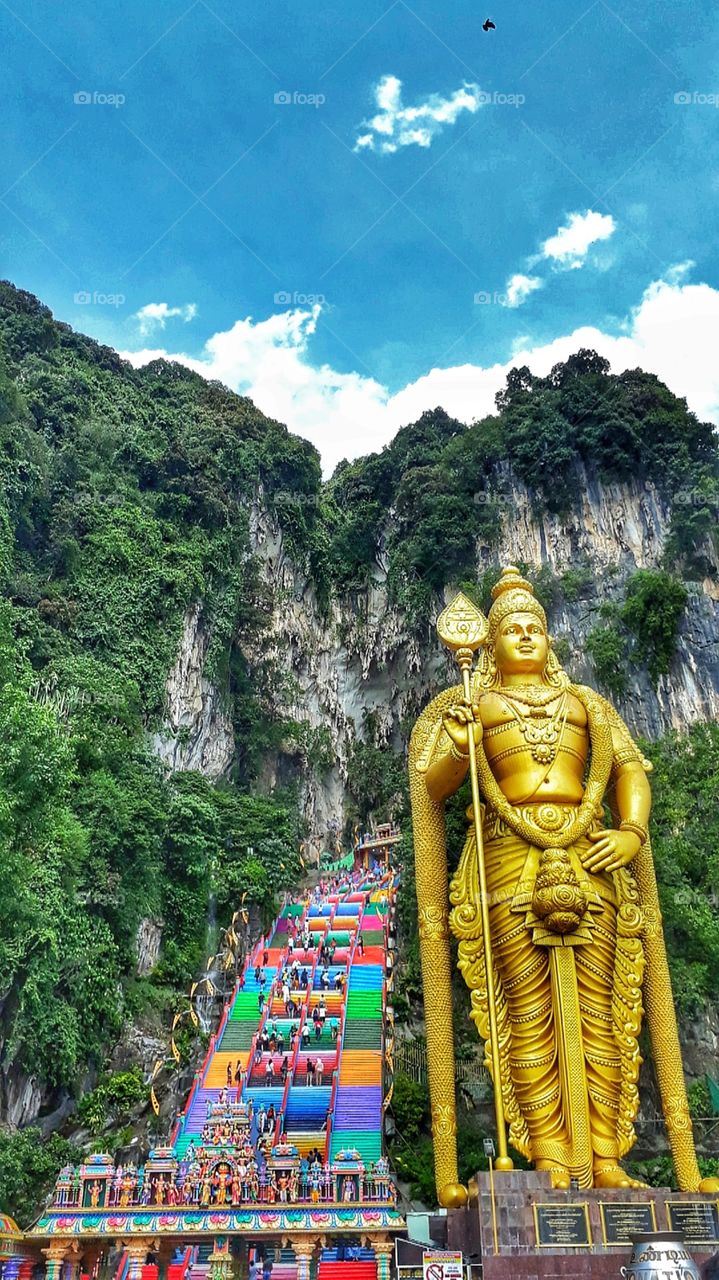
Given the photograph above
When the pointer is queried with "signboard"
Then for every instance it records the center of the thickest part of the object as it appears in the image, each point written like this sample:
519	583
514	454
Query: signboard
438	1264
696	1219
623	1219
562	1226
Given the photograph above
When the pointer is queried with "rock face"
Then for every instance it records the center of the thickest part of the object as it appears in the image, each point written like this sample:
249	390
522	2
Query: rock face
368	658
197	733
147	945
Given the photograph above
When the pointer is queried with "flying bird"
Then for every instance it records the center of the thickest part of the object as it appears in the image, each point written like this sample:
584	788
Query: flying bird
488	25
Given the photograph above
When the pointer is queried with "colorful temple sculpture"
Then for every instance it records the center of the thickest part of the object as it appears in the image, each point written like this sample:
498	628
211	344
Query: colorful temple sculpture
276	1161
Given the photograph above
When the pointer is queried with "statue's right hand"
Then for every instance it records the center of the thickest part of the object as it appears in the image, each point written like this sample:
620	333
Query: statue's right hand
457	720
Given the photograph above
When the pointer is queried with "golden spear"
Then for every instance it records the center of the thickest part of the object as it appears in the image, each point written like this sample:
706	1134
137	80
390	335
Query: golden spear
463	629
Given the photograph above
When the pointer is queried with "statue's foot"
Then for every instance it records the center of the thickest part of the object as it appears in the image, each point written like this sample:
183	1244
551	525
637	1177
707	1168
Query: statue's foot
709	1186
612	1175
453	1195
558	1173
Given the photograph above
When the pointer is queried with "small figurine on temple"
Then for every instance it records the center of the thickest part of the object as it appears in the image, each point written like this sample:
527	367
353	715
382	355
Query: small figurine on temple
95	1189
236	1188
206	1191
349	1191
219	1186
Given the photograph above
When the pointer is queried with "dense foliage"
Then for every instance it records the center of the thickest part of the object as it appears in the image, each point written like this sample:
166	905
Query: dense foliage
29	1162
436	493
685	826
124	499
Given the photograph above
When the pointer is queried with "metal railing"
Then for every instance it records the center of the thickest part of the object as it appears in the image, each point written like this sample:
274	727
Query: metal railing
410	1056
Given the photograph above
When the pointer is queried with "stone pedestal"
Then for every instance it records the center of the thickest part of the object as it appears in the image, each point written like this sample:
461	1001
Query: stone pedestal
525	1206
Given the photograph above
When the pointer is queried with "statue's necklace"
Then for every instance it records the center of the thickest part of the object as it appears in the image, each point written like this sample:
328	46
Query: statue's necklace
532	695
541	731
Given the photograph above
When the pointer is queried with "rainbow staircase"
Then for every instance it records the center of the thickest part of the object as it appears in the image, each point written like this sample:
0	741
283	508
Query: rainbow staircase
343	1108
336	1112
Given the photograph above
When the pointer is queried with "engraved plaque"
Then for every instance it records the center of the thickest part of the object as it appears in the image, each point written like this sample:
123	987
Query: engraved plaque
622	1220
562	1226
696	1219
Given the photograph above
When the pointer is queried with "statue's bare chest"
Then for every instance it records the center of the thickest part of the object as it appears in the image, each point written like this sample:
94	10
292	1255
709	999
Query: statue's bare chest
522	736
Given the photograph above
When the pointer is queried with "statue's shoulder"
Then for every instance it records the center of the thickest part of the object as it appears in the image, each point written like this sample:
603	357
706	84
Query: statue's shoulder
492	707
592	701
625	748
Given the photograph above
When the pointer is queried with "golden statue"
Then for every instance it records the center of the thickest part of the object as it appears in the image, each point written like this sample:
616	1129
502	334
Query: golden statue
558	907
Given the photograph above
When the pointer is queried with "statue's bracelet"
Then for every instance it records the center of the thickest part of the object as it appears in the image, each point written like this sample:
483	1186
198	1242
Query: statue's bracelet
636	829
456	754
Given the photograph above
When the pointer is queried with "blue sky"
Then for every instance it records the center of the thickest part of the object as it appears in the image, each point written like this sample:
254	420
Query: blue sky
354	212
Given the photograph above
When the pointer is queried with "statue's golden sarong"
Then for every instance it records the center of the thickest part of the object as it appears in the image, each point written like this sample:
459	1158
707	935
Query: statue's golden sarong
569	1005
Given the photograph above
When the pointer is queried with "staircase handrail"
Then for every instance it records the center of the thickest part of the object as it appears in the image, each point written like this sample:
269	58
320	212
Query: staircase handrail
343	1026
293	1060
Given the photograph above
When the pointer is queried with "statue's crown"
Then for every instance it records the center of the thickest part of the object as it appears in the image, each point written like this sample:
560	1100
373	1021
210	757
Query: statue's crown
513	594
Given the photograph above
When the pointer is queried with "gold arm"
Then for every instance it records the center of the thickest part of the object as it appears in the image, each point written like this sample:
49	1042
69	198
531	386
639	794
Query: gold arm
433	927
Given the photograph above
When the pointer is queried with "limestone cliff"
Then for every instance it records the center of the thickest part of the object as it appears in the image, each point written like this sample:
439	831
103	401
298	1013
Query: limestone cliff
368	657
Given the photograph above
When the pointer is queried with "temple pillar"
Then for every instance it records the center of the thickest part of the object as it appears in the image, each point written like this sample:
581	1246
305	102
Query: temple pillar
137	1257
55	1255
383	1248
220	1261
304	1248
73	1261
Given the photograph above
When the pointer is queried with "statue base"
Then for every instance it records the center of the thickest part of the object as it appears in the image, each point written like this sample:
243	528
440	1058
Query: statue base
524	1230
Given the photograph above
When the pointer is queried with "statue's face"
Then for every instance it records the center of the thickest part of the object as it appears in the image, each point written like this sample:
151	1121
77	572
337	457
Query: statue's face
521	645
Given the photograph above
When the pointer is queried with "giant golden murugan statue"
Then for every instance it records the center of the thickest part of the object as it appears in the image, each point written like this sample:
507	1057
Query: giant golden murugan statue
568	892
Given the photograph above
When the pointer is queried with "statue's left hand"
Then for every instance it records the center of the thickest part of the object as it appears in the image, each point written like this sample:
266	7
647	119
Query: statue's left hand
612	850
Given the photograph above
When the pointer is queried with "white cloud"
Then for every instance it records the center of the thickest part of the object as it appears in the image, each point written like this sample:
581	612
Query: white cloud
397	126
673	332
154	315
343	414
519	287
570	244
